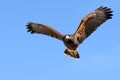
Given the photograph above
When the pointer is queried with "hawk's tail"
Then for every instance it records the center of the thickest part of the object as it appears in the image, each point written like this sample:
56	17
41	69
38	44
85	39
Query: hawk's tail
73	53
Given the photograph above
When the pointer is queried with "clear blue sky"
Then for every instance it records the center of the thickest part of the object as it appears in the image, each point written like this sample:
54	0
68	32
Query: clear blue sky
37	57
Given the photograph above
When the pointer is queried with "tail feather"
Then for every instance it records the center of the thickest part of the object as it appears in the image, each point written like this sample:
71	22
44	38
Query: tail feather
73	53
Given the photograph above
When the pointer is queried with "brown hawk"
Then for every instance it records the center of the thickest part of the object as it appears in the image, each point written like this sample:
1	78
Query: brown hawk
88	25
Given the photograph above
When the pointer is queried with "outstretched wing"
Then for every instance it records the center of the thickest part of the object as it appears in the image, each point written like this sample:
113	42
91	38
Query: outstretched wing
43	29
92	21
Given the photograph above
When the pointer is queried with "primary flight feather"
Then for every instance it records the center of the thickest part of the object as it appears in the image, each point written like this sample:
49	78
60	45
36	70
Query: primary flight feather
87	26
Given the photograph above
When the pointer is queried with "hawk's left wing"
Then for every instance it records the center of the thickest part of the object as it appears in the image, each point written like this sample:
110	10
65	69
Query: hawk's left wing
43	29
92	21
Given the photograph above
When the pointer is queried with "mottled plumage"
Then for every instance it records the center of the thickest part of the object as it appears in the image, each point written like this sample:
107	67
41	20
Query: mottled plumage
87	26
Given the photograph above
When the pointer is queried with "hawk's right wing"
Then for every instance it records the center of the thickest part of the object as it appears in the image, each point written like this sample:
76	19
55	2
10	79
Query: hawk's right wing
43	29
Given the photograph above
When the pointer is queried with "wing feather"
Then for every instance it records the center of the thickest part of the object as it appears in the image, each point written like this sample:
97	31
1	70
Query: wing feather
92	21
43	29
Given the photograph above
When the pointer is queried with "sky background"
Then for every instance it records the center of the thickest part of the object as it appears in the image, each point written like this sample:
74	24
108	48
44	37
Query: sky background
37	57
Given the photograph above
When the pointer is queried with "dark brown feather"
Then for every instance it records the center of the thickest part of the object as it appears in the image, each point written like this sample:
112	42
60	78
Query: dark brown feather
92	21
43	29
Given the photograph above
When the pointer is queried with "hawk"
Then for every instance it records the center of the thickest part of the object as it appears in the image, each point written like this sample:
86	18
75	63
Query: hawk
87	26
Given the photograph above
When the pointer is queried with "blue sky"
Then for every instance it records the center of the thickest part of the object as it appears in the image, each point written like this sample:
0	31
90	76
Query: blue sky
37	57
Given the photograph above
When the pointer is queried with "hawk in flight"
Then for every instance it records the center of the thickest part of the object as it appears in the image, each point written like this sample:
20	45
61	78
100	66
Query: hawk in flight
87	26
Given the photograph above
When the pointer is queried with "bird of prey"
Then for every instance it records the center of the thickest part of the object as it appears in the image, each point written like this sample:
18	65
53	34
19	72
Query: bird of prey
87	26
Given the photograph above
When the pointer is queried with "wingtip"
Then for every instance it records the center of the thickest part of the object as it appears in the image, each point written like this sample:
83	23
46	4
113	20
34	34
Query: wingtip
29	27
107	11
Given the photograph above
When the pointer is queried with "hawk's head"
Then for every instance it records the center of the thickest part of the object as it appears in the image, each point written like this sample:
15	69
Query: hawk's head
68	38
